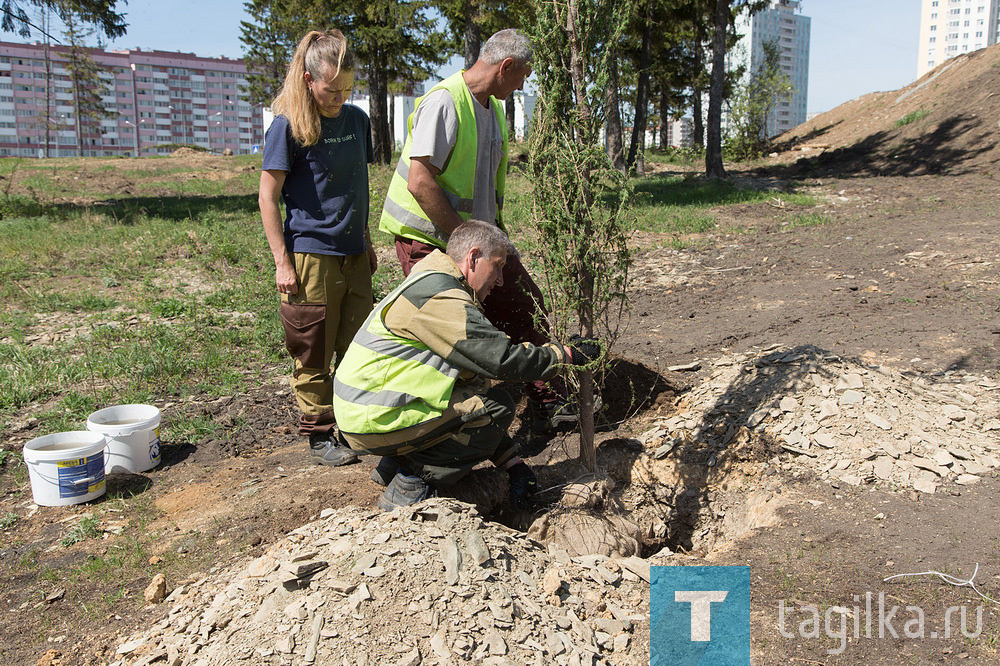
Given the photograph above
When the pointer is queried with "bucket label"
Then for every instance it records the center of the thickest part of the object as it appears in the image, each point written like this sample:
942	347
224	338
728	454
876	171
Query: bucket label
154	448
81	476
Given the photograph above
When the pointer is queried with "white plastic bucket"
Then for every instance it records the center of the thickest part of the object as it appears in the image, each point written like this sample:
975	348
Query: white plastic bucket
66	467
133	434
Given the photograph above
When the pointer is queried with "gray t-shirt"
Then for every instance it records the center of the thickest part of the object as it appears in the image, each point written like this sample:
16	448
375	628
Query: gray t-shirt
435	131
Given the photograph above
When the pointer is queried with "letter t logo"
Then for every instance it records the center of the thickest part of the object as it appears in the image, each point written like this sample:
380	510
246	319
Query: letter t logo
701	610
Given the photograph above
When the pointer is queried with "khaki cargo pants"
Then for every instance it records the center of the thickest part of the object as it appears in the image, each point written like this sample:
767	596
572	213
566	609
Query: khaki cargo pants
334	299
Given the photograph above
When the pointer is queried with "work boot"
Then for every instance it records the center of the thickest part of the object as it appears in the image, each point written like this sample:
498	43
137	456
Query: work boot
384	471
330	451
404	490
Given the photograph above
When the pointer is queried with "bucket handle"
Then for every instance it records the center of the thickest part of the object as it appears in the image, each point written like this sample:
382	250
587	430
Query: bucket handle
88	480
123	432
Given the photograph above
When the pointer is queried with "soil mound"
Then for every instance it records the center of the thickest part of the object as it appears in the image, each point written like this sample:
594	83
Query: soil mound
948	121
427	584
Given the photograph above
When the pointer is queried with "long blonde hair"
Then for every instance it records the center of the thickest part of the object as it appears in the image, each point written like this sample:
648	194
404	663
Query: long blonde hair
317	53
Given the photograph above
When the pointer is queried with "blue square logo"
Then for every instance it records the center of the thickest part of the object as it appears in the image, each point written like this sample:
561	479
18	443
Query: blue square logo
699	616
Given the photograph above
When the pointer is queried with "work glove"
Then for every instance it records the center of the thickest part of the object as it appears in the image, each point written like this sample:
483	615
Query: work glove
523	485
585	350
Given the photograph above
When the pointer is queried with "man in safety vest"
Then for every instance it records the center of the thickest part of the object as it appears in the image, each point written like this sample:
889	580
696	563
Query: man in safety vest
413	386
453	168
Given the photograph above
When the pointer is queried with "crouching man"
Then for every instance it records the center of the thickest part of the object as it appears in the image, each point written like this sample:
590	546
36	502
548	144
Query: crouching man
413	385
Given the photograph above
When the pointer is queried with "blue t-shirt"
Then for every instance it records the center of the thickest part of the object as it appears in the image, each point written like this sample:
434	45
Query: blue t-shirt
326	184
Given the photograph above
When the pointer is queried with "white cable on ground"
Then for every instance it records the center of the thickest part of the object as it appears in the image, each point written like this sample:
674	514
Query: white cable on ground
951	580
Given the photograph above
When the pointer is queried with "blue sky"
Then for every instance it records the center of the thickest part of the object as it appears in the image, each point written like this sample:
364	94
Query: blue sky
857	46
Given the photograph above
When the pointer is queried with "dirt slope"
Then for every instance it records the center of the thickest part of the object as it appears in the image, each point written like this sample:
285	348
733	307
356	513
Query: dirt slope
948	121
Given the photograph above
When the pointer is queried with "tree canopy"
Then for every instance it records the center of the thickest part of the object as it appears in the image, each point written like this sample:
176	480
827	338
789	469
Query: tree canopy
101	14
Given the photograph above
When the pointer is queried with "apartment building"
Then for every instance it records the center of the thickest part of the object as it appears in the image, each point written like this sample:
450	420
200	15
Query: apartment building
154	101
951	27
783	24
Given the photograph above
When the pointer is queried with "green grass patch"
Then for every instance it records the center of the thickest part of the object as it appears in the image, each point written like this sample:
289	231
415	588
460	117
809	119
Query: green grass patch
7	520
912	117
806	220
88	528
681	205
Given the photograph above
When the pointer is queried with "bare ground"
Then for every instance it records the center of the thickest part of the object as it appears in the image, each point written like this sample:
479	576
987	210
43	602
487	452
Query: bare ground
902	272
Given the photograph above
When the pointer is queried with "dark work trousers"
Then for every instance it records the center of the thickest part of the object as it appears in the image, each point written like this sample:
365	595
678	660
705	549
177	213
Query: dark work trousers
441	451
516	307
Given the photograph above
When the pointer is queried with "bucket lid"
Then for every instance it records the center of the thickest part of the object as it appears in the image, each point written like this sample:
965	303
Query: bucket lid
136	417
80	443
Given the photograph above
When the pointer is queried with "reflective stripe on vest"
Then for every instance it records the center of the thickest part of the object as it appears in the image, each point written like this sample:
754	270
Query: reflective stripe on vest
386	382
401	214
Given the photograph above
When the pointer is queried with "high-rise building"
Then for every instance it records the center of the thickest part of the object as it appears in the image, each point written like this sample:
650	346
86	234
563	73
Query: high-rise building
154	101
782	24
952	27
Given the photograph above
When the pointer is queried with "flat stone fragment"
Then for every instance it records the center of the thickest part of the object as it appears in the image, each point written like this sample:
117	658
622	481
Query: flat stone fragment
636	565
825	440
878	421
476	547
954	412
366	561
131	646
930	466
621	642
851	380
924	485
686	367
967	479
852	479
495	643
851	397
788	404
961	454
261	567
411	658
883	468
827	410
973	467
942	458
451	556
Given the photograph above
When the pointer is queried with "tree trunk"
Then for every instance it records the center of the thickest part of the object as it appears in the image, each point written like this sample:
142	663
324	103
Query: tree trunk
613	122
378	90
664	118
509	110
585	311
697	92
473	35
392	120
641	94
713	149
698	131
48	82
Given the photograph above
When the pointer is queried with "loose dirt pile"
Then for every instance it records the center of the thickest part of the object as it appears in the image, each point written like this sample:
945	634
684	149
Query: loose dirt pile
946	122
428	584
846	420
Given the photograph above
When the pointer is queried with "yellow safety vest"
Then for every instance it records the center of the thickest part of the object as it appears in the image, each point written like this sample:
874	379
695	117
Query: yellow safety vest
387	382
401	214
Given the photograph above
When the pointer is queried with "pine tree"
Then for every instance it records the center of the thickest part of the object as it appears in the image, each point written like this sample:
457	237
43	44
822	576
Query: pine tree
580	202
87	85
98	13
268	44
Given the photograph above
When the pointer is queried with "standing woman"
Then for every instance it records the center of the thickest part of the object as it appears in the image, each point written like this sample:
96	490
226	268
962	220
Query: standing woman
316	156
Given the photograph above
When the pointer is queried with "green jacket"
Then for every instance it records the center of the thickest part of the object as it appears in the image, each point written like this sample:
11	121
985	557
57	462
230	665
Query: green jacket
401	214
424	338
